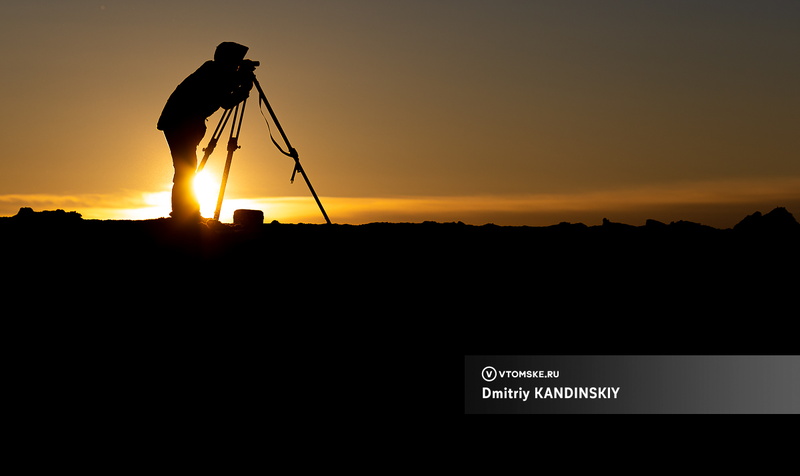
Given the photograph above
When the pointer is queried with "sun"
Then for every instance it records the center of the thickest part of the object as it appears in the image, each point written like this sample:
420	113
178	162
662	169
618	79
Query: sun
207	191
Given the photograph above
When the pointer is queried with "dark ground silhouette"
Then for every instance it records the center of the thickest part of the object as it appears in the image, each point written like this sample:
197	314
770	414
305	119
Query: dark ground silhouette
135	319
564	287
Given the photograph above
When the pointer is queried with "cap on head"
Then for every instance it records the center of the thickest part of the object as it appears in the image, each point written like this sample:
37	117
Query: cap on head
230	52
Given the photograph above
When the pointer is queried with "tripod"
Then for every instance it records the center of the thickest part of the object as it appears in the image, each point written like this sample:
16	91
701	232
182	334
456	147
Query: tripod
233	145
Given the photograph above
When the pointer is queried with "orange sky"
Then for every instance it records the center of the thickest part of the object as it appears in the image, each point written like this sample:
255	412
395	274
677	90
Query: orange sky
508	112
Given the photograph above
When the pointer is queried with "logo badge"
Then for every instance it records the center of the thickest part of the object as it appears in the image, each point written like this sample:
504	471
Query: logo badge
489	373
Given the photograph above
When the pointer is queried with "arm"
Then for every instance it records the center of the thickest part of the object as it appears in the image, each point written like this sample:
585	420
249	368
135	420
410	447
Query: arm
240	85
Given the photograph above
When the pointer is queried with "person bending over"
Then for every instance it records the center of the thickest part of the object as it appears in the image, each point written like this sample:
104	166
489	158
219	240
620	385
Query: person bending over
217	83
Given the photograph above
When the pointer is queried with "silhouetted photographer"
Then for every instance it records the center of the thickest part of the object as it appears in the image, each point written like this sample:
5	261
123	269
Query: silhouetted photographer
223	82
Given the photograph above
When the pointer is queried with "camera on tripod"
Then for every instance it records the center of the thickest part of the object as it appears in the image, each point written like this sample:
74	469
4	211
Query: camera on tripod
249	66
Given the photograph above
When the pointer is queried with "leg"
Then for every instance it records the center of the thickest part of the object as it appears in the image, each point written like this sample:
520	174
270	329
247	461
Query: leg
183	142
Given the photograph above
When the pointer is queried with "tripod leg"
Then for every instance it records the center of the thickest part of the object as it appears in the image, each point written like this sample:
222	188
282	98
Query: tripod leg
292	151
225	173
212	144
311	189
233	144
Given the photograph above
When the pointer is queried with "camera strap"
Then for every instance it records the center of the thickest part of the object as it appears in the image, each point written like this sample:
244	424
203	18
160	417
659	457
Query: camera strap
287	154
292	152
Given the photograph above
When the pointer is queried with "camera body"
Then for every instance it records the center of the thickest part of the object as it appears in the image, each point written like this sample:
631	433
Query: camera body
248	65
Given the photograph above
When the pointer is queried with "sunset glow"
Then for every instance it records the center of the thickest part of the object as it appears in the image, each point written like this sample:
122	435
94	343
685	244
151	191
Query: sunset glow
207	191
508	112
716	203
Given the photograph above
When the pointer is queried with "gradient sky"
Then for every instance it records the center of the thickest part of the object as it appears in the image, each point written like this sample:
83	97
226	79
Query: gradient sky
507	111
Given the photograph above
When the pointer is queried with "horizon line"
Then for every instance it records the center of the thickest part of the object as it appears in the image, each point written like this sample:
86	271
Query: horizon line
719	203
